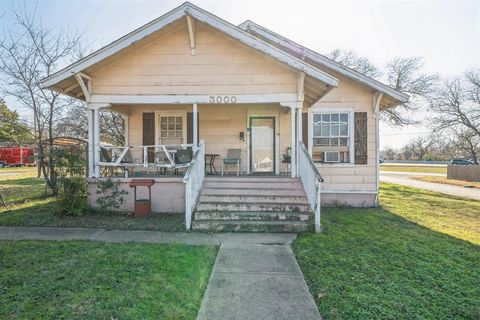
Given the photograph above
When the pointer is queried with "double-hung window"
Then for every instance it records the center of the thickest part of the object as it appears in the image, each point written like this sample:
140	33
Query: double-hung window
331	137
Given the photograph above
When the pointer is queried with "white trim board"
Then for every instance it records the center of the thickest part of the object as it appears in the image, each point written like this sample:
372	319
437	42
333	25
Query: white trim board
202	16
191	99
324	61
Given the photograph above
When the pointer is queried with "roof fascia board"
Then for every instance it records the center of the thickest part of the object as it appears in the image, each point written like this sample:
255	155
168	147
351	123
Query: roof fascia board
335	66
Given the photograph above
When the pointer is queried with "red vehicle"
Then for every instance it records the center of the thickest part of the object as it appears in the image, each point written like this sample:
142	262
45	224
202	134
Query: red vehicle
16	156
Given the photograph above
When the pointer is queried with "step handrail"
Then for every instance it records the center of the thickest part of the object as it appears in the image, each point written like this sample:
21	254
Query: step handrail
193	181
311	180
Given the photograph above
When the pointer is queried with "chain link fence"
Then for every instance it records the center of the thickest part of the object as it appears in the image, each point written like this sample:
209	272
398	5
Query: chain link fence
21	180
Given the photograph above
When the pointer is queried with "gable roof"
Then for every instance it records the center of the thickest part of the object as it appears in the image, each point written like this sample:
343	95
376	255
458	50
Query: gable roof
303	52
202	16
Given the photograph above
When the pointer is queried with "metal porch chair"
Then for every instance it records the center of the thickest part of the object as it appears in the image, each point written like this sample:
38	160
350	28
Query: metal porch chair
233	157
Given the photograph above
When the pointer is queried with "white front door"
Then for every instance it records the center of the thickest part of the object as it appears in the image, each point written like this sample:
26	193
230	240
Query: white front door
262	144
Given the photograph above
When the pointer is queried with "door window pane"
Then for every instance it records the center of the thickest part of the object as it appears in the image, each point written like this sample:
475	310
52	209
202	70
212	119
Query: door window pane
262	144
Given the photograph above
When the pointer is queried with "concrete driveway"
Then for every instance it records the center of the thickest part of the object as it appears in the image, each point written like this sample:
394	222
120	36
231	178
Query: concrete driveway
406	180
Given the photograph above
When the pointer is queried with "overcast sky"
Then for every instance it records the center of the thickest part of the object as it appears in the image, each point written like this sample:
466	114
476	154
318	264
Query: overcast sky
445	32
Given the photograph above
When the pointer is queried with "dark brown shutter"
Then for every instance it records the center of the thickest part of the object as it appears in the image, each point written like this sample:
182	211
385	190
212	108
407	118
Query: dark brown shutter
361	155
149	133
190	126
305	129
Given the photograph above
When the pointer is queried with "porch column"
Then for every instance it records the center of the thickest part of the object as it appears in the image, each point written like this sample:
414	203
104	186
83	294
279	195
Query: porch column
96	140
126	132
91	159
299	131
195	126
93	110
293	157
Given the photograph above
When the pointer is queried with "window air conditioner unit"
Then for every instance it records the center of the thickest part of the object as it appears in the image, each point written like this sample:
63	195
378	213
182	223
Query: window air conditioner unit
332	156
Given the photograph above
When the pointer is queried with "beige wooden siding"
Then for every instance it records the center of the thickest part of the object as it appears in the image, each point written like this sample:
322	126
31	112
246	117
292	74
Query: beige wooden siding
349	177
219	125
220	66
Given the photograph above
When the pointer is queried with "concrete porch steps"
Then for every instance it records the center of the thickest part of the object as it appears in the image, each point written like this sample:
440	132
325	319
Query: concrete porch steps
252	204
249	226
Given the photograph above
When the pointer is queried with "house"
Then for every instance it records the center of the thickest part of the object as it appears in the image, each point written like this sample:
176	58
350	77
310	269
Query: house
305	128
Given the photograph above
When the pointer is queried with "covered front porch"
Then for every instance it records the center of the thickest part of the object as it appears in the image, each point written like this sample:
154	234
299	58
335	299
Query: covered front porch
173	143
160	140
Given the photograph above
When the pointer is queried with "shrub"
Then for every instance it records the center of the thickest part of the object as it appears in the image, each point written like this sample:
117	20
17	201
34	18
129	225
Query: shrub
109	196
72	182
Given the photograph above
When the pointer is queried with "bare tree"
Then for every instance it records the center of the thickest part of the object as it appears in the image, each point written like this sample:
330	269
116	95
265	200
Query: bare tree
28	53
402	74
356	62
112	125
405	75
457	107
468	144
419	147
388	153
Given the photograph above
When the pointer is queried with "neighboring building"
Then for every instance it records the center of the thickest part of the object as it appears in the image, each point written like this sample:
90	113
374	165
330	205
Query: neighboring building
189	76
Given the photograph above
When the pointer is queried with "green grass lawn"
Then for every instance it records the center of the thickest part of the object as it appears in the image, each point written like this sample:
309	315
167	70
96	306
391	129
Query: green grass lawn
411	168
91	280
44	213
15	191
418	258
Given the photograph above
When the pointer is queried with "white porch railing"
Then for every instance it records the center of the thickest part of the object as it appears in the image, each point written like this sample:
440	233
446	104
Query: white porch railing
193	180
311	180
164	155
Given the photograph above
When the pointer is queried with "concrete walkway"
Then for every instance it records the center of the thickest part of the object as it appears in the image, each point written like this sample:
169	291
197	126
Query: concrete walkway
437	187
257	279
255	276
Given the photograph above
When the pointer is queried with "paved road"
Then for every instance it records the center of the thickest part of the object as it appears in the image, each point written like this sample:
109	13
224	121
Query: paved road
437	187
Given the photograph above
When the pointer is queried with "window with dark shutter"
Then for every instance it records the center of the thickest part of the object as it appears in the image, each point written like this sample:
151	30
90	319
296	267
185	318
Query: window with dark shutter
331	137
149	133
361	146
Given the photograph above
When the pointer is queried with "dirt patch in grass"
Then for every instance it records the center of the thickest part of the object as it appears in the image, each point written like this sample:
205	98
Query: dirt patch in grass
411	168
453	182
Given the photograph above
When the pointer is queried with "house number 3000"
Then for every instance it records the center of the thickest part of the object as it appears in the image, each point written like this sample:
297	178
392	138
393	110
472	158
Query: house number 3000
223	99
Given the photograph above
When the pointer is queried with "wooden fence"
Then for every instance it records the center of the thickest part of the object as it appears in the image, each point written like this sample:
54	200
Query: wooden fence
467	173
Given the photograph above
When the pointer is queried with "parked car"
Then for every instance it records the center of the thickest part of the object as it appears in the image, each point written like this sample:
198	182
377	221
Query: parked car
461	162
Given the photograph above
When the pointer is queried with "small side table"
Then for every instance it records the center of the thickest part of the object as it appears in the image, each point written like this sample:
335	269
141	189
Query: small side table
142	207
210	162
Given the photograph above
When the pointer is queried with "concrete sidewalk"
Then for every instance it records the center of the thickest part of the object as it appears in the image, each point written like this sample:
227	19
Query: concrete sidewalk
436	187
51	233
257	280
255	276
